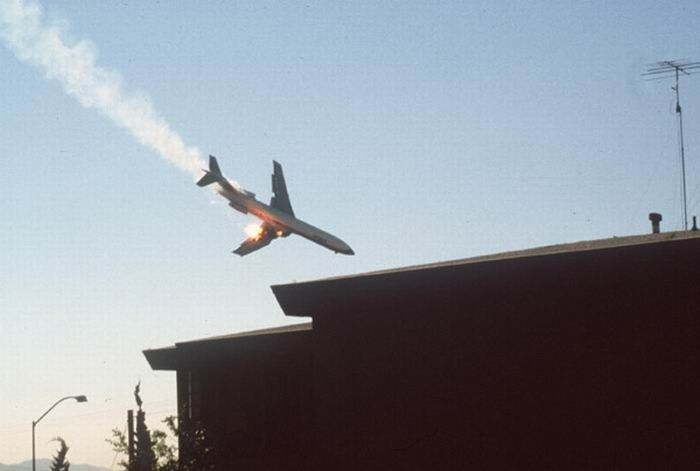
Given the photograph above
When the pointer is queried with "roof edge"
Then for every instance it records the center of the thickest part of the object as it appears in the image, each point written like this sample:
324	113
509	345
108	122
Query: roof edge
169	358
570	247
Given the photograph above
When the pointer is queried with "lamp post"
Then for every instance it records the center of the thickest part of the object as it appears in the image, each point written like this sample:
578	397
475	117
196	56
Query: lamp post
34	422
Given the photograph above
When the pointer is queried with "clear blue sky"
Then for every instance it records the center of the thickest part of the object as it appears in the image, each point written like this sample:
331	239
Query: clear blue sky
415	131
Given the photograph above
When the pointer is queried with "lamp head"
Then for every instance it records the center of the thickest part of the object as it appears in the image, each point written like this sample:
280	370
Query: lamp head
81	398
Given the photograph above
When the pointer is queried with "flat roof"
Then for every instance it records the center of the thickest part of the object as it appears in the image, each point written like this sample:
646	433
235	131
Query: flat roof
580	246
308	298
300	299
166	358
251	333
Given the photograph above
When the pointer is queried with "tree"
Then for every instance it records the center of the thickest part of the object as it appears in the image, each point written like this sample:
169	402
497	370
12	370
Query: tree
119	446
166	454
59	462
145	459
198	453
154	449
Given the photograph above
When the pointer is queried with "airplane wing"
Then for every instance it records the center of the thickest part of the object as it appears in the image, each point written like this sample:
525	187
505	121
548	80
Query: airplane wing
251	244
280	198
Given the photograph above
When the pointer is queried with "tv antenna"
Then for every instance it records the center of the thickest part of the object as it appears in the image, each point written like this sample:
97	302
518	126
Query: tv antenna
674	69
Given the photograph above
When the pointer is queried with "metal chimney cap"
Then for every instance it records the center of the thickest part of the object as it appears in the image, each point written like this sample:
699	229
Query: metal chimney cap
655	217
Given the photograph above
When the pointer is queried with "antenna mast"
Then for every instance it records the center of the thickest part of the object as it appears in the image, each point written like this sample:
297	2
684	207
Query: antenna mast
673	69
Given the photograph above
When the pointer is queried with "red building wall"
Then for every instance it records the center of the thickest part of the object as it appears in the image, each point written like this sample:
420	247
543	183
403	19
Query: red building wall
253	397
585	360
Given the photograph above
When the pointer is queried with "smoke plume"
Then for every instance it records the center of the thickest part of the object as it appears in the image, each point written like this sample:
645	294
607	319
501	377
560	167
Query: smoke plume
48	47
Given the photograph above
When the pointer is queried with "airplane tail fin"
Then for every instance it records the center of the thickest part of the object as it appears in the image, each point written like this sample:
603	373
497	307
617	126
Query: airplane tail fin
212	175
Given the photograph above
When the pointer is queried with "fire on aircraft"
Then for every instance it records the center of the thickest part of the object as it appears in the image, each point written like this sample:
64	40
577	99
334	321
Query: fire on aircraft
278	219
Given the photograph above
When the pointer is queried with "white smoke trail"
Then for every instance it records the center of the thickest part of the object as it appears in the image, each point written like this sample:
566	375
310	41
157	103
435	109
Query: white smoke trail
73	64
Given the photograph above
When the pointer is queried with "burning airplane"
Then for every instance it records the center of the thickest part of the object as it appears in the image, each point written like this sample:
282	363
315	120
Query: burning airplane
277	218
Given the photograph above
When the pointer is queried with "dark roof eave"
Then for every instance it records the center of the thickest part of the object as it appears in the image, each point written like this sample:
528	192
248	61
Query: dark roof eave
173	358
280	330
310	298
162	358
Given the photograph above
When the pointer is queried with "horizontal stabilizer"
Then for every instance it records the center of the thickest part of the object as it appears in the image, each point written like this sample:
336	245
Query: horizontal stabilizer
213	174
207	179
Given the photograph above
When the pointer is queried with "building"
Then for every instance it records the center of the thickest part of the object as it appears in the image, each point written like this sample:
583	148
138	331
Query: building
579	356
251	392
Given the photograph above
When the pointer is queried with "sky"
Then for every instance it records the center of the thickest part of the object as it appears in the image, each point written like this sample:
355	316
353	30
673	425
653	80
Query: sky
415	131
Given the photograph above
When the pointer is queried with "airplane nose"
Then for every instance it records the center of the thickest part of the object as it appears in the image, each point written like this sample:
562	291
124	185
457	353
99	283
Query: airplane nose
349	251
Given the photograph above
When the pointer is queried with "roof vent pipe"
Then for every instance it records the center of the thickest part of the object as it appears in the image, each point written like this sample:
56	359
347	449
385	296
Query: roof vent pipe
655	219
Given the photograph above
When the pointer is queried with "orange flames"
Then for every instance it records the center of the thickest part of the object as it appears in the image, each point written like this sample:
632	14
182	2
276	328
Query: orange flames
254	230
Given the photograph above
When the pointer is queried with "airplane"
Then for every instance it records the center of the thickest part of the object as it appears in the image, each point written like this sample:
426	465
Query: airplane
278	217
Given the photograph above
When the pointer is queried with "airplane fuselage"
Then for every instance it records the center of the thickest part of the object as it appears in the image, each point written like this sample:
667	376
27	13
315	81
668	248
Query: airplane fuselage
283	223
278	218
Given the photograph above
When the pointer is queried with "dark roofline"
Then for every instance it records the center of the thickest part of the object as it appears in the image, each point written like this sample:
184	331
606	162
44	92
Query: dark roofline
161	358
168	358
598	244
251	333
312	297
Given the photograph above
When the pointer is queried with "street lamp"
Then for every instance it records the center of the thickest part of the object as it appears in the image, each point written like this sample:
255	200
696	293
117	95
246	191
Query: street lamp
34	422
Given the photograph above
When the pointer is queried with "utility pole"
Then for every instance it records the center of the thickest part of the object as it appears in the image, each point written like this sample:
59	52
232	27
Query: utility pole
671	69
